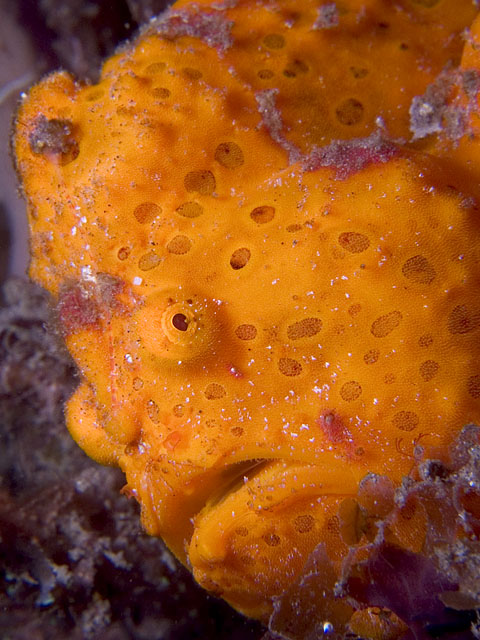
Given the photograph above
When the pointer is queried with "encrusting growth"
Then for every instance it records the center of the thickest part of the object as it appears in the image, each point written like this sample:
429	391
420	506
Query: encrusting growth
270	289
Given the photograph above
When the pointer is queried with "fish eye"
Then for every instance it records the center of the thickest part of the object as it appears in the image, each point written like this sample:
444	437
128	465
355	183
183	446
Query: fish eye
172	326
180	321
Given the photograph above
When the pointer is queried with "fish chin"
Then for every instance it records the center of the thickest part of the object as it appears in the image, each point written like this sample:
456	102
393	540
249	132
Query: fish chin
254	534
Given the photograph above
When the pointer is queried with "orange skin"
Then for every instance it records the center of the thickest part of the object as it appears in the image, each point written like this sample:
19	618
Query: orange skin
258	324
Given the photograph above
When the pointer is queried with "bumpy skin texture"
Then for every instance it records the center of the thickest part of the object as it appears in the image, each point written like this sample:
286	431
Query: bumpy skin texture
264	307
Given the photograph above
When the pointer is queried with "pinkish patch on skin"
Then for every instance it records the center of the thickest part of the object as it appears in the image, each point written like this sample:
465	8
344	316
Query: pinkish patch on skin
77	309
210	26
83	304
349	156
108	288
328	17
333	427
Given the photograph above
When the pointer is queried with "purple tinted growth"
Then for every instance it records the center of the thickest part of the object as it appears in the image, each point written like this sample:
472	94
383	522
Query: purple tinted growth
350	156
272	121
437	111
408	583
328	16
210	26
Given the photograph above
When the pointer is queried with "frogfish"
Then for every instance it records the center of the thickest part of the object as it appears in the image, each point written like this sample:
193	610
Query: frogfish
261	232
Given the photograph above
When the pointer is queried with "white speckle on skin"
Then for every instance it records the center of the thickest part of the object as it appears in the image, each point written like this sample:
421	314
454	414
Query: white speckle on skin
87	274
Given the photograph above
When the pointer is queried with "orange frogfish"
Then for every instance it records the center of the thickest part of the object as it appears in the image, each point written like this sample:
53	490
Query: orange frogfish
262	236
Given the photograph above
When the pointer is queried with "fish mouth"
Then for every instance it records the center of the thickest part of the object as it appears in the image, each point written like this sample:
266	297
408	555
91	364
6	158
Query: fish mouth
198	511
259	525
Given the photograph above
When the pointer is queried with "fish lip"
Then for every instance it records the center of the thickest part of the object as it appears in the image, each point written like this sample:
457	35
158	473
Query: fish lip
238	474
243	472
